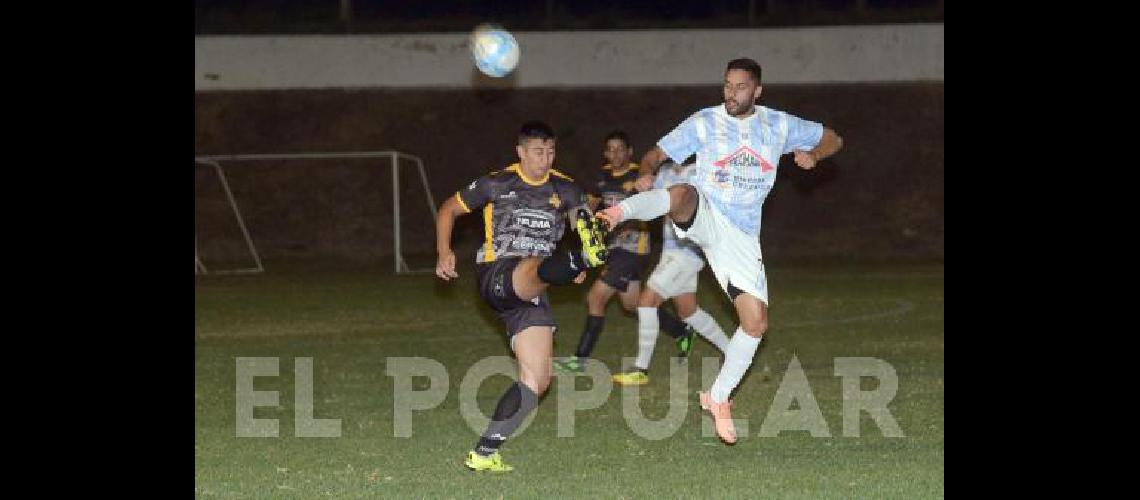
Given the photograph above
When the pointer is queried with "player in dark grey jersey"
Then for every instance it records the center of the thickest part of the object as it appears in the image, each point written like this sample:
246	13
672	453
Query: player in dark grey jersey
628	255
525	208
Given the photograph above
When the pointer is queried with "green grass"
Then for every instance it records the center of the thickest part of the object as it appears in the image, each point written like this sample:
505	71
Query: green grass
349	322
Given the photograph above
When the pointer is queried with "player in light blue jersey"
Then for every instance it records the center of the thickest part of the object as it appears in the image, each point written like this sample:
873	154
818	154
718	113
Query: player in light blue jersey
675	278
738	146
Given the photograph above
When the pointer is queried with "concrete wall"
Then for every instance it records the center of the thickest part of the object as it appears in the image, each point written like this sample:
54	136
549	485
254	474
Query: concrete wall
891	53
881	199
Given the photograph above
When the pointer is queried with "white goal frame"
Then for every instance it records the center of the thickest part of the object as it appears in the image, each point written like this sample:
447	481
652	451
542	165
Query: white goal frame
400	264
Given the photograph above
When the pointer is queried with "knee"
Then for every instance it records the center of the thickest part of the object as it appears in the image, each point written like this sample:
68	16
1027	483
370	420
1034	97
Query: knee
688	195
595	304
540	389
537	382
630	303
686	311
648	298
683	194
683	201
755	328
645	300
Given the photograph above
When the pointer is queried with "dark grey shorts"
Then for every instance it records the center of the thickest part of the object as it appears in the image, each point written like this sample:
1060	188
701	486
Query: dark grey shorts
623	266
497	290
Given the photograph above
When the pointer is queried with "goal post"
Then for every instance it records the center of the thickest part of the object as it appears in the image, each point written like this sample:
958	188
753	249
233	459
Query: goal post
199	266
400	264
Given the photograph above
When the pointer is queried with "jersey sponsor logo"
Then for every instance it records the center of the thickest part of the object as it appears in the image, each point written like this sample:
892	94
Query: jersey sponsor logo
529	245
744	157
745	182
534	223
535	220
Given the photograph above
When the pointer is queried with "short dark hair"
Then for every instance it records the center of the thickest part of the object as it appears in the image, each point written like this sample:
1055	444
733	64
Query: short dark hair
745	64
619	135
535	129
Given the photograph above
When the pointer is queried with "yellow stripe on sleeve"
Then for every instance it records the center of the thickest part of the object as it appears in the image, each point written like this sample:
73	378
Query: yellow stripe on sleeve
461	203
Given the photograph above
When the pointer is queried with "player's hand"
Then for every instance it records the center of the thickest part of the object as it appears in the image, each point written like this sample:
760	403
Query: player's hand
445	266
644	183
580	278
805	160
607	217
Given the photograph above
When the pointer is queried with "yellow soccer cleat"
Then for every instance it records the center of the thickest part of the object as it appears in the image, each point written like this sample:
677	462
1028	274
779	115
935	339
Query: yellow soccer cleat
592	232
492	462
635	377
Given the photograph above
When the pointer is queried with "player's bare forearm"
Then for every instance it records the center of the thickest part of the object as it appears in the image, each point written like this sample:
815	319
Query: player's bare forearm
828	145
444	222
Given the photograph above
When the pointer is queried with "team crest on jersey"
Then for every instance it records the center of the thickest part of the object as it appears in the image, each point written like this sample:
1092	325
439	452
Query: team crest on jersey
555	201
742	157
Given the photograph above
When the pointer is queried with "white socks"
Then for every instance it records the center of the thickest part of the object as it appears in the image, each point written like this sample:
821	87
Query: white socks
645	206
737	358
647	329
707	327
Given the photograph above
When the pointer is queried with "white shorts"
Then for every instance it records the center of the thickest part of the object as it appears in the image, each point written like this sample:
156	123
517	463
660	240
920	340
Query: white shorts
733	255
676	273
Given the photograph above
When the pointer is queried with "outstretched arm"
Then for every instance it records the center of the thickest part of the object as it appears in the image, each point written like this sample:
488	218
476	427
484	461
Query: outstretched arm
444	223
829	144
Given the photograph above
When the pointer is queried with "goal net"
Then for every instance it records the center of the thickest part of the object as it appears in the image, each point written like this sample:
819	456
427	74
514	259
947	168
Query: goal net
370	206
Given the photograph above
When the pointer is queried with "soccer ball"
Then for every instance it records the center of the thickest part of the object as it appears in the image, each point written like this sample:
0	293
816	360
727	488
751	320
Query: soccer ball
495	51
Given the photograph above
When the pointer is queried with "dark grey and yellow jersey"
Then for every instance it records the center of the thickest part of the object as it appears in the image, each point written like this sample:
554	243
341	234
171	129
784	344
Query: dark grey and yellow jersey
631	235
522	217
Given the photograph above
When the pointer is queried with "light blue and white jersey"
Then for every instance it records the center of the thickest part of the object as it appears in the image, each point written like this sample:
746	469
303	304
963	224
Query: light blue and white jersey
737	158
669	174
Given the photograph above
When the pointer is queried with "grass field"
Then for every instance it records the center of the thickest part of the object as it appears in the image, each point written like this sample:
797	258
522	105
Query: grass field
349	322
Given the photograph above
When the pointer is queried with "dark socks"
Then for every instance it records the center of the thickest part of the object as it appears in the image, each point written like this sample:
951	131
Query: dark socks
513	407
561	268
590	335
670	324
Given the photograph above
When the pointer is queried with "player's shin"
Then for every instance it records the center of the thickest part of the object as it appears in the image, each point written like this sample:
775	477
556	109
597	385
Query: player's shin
645	206
647	328
509	414
673	326
737	358
590	336
708	328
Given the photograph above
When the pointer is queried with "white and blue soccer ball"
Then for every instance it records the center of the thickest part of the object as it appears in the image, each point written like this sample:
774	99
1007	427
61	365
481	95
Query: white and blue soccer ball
495	51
